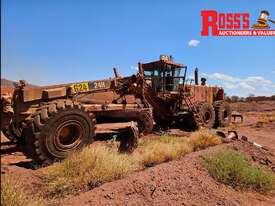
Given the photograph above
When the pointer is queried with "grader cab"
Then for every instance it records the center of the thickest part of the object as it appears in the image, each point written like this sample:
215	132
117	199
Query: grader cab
164	75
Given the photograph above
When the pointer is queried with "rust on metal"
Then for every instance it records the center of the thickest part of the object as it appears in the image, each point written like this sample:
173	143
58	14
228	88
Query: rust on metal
54	93
116	73
237	115
159	86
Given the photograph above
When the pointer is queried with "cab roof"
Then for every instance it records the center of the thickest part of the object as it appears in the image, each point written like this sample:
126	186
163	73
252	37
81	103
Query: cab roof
160	64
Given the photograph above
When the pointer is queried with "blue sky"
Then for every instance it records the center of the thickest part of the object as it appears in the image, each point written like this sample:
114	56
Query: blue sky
61	41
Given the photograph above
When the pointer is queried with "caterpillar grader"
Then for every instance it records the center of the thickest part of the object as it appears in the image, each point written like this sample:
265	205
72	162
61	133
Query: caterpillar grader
163	85
52	121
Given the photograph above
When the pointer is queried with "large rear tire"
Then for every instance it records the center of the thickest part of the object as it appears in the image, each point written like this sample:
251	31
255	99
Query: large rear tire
57	129
223	113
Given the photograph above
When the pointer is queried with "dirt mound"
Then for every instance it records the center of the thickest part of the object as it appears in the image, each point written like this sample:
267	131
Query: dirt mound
183	182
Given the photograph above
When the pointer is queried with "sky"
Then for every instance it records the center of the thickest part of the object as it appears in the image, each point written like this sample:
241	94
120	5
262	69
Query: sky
62	41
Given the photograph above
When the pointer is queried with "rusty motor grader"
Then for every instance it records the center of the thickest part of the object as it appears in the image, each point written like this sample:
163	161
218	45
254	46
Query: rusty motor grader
163	85
54	120
50	122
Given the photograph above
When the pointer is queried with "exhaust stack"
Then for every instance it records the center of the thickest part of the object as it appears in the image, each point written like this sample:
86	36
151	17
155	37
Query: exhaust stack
196	76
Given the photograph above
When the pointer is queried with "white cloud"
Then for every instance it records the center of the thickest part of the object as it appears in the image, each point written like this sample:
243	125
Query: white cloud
273	71
258	80
193	42
229	86
244	85
265	89
218	76
134	68
235	85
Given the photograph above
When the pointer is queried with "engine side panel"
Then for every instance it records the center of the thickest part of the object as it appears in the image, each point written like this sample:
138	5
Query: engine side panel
204	93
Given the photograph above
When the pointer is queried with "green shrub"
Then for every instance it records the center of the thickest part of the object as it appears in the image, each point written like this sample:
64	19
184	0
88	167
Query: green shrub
231	167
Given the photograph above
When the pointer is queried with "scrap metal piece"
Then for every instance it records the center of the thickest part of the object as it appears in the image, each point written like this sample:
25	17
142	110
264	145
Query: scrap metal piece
237	115
244	138
221	134
232	135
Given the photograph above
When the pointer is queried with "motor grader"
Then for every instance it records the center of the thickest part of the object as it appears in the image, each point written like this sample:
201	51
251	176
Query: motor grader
164	86
52	121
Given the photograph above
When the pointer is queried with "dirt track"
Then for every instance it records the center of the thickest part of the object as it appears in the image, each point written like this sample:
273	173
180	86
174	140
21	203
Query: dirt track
183	182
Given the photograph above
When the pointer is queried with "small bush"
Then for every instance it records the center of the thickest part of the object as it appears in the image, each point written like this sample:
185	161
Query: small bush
231	167
13	194
203	139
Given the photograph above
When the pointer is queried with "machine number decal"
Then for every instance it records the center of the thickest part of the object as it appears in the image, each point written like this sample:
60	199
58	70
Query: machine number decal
99	85
80	87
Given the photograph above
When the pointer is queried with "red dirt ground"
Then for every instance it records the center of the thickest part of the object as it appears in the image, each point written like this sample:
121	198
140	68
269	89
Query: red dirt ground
182	182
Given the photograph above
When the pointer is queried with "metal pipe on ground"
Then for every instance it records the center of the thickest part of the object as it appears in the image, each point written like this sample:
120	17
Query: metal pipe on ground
233	135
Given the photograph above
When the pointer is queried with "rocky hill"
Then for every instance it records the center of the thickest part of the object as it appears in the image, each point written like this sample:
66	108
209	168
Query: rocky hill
9	84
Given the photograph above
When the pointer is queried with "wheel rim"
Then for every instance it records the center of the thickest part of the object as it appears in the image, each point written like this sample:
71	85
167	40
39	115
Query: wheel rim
206	117
68	135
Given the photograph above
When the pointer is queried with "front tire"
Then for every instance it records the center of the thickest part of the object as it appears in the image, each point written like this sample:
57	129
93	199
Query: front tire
207	114
58	129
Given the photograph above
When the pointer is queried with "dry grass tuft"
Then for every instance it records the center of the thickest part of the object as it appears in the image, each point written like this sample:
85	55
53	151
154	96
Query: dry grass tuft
267	118
156	152
231	126
203	139
94	166
170	148
13	194
85	170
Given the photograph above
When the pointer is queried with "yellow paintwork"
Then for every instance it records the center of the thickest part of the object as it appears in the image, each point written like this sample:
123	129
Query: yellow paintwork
80	87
